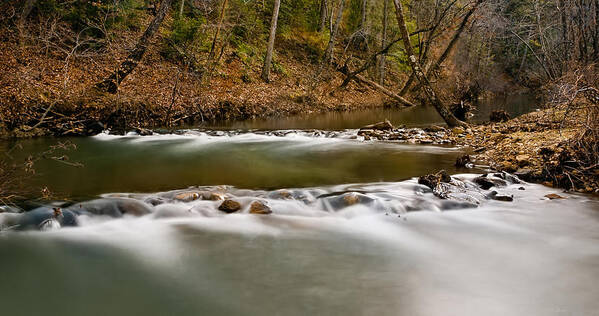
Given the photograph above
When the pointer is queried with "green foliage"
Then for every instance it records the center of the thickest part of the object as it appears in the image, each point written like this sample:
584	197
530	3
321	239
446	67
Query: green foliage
184	30
353	18
298	15
250	25
89	15
184	39
247	53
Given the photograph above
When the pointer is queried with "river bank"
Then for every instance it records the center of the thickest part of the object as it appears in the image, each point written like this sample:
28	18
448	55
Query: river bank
43	93
537	147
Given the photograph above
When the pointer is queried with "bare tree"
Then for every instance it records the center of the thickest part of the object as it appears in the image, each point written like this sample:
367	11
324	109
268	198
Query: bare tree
271	42
448	49
112	83
335	29
427	88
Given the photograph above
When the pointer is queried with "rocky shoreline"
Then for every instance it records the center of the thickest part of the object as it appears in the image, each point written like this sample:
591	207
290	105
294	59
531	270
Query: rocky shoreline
534	147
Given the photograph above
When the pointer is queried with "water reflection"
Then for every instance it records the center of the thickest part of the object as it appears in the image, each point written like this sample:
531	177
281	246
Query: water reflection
516	104
145	164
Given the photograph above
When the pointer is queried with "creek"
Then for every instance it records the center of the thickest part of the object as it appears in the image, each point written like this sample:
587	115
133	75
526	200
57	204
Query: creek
351	231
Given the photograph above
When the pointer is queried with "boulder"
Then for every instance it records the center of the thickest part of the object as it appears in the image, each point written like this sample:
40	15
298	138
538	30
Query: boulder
508	166
213	196
230	206
46	217
144	132
258	207
504	198
92	127
187	196
432	180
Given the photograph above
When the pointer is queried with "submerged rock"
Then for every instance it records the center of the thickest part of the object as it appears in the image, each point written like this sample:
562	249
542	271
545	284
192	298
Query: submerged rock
187	196
258	207
463	162
114	207
496	196
230	206
486	182
45	218
554	196
213	196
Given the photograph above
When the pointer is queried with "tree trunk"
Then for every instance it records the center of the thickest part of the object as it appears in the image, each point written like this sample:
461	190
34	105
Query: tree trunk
27	7
271	42
112	83
595	28
331	46
181	8
383	43
364	11
564	22
428	90
218	28
324	8
384	91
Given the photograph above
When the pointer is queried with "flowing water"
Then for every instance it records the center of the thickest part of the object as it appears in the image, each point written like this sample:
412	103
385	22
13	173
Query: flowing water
351	233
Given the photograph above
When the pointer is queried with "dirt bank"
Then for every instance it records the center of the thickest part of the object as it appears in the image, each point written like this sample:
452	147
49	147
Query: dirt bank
45	93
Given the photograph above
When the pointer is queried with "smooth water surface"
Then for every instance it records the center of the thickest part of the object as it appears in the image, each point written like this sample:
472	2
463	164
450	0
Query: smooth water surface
515	105
247	160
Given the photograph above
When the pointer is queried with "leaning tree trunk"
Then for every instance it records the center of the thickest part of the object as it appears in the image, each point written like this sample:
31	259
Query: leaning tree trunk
456	36
112	83
331	46
220	25
430	93
271	42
